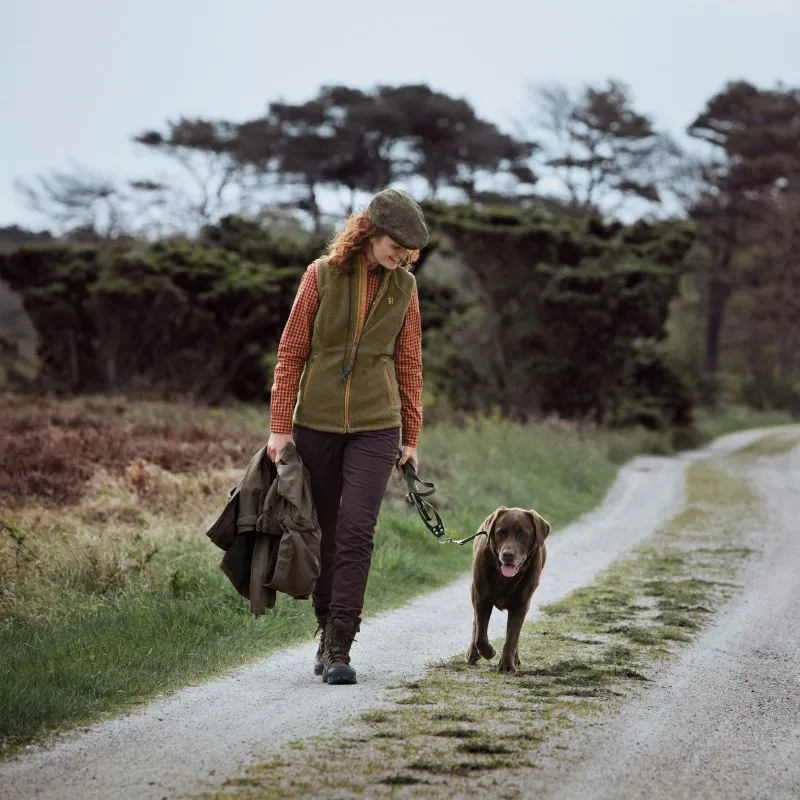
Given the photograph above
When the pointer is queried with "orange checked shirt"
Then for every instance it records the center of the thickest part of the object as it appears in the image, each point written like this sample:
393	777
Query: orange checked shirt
295	345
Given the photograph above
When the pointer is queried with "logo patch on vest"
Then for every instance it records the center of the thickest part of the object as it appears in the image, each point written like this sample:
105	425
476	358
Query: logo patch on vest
391	301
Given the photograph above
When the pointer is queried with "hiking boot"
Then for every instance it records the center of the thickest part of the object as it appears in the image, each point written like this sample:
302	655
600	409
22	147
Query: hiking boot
319	664
339	635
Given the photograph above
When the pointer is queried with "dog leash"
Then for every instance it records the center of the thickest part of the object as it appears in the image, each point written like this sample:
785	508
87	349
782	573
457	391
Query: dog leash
428	514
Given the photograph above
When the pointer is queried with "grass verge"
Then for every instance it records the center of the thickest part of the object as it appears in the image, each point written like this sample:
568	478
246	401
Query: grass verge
718	422
468	731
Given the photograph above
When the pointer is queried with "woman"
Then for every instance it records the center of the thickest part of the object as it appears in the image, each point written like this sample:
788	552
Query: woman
348	379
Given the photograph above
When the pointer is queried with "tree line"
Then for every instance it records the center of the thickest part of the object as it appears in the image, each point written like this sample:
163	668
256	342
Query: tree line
352	142
554	284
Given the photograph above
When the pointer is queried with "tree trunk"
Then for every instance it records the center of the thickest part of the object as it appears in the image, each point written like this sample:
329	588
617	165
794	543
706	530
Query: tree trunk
718	293
313	208
75	375
719	290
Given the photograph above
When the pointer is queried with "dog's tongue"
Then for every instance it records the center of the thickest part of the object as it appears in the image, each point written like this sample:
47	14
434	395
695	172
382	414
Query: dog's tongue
509	570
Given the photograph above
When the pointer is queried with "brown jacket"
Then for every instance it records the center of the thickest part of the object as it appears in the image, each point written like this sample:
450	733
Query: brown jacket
269	531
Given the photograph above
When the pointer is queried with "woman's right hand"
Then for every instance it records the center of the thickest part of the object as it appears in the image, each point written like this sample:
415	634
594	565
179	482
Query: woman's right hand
277	444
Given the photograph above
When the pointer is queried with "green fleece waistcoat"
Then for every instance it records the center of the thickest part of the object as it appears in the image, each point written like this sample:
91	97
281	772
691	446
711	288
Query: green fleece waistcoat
340	391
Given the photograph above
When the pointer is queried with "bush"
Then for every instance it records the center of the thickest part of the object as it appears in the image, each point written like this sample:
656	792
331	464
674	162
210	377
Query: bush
171	318
52	448
655	394
767	392
563	303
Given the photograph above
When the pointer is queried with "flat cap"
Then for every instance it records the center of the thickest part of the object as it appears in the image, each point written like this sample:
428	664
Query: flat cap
397	214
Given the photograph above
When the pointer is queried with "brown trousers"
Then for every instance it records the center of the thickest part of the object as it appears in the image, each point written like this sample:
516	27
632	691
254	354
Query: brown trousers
349	473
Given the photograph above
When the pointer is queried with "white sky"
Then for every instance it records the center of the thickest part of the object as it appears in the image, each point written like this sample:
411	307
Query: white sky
78	78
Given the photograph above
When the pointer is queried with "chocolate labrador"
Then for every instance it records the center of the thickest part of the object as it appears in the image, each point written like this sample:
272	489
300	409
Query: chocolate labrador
506	565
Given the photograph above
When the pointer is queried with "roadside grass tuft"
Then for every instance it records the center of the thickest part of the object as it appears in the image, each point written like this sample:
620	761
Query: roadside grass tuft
376	716
488	747
458	733
450	716
402	780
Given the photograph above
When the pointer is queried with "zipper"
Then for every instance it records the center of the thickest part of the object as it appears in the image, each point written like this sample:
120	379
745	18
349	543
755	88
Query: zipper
389	387
347	375
347	404
361	325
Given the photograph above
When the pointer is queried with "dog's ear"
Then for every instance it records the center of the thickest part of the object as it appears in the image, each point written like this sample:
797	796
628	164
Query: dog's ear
541	526
488	524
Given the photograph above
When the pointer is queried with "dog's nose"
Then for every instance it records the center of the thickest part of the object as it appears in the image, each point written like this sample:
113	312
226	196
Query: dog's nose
507	557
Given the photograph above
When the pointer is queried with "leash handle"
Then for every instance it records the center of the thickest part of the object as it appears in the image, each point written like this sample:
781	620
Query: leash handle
412	479
428	514
414	494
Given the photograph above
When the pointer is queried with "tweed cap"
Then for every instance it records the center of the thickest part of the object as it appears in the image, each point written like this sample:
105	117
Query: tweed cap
397	214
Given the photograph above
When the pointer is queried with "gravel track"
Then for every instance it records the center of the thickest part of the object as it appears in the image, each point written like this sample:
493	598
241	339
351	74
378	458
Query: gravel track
724	720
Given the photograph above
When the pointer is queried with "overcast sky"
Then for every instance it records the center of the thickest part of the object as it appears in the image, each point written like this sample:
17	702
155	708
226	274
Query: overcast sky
78	78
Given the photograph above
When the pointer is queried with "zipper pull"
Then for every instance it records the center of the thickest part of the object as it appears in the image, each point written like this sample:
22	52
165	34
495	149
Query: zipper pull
346	372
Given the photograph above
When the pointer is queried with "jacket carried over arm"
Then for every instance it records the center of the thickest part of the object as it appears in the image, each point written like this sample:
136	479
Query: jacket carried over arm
269	531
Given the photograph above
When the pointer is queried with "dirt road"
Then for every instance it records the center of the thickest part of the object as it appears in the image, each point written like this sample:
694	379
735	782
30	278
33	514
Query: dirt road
208	732
723	721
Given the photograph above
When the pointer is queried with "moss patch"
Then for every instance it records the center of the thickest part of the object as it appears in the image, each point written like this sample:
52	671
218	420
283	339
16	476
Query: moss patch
466	731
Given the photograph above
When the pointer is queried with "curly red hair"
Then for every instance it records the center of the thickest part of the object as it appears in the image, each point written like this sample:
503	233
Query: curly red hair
353	240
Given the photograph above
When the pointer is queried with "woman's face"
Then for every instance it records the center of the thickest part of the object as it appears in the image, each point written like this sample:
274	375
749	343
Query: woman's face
387	252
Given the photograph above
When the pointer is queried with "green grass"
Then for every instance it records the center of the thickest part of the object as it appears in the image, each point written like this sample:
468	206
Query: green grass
718	422
592	650
119	600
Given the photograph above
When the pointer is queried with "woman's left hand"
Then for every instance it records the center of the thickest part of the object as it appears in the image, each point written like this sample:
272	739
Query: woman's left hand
409	454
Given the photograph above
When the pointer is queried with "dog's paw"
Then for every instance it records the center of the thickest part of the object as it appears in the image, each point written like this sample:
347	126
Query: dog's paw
472	655
506	665
486	650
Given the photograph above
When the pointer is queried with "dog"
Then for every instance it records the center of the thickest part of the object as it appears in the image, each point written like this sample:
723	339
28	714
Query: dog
507	563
